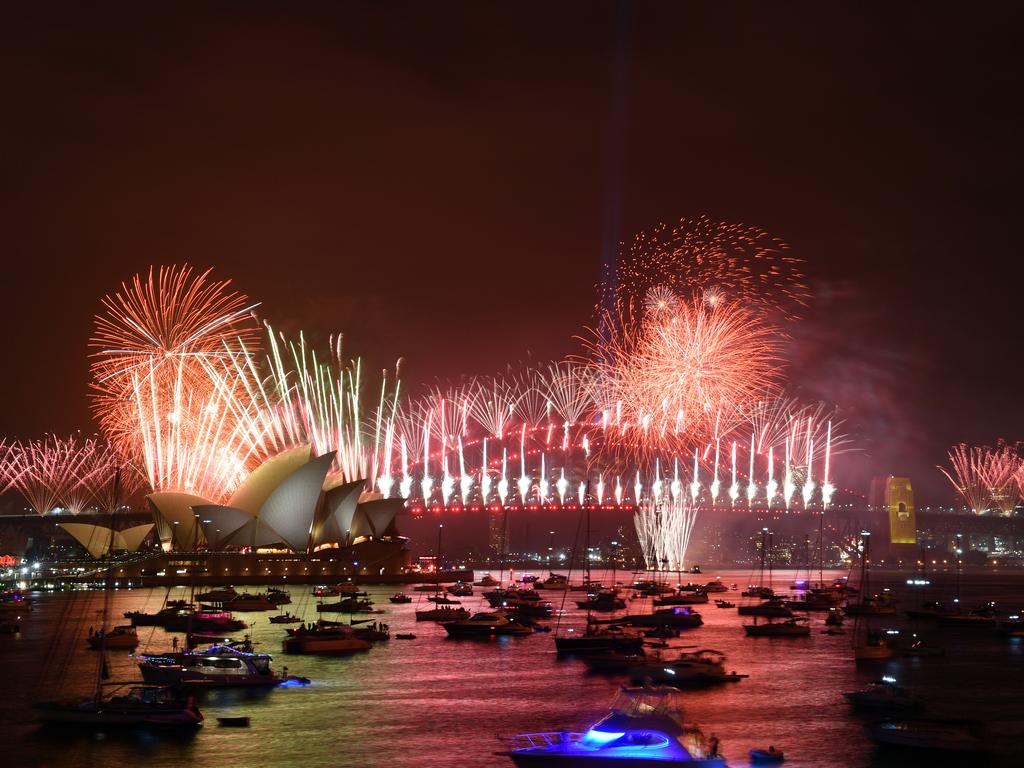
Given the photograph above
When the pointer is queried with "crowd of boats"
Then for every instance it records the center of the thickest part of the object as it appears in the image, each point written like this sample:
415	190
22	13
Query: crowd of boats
628	634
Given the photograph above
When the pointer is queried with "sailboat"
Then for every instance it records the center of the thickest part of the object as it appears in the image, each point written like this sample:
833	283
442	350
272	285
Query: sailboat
595	638
127	705
868	644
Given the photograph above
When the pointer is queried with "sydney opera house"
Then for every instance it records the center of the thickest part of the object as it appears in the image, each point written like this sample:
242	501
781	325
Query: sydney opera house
287	520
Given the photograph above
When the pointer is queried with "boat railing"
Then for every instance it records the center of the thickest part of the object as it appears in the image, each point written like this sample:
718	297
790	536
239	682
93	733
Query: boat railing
544	739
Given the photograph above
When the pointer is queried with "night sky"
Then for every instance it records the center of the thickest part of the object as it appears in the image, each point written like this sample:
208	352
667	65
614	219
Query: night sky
440	181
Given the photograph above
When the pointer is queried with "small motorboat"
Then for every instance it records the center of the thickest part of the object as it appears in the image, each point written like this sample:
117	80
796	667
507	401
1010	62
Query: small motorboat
233	722
444	600
285	618
835	618
405	636
919	648
486	625
770	756
724	604
400	597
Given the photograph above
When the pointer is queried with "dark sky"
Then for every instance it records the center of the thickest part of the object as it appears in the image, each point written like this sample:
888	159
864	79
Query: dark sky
438	179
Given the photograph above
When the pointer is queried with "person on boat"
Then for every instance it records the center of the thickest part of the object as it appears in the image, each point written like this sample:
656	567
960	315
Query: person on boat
713	746
174	643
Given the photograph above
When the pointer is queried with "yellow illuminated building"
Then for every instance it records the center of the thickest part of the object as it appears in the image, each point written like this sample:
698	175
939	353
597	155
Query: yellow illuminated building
899	500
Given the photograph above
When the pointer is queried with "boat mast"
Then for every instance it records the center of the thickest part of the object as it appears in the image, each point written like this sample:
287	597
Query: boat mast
958	551
821	549
102	671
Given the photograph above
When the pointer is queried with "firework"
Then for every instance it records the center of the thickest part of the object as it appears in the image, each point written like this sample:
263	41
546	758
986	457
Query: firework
999	471
44	470
664	528
154	345
966	474
712	261
668	379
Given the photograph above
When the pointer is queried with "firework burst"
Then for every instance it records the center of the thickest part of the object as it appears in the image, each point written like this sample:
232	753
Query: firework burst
712	261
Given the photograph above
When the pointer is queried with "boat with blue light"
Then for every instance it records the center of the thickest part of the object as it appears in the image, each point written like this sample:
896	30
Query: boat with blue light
645	727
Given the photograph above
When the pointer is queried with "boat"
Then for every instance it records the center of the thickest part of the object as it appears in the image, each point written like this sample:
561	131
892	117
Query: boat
674	616
443	613
221	595
486	581
182	616
405	636
428	588
604	601
219	666
644	727
348	605
983	617
444	600
715	586
884	695
960	736
461	589
553	581
285	618
651	588
795	627
765	593
485	625
834	618
615	661
774	608
879	605
246	602
118	638
812	602
598	639
278	596
682	598
527	608
876	647
400	597
724	604
931	609
694	669
326	641
141	706
770	756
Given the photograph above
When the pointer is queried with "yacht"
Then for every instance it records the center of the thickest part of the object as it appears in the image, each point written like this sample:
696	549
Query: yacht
444	600
246	602
645	726
219	666
221	595
983	617
461	589
139	706
599	639
788	628
879	605
285	618
348	605
182	616
442	613
486	581
604	601
673	616
278	596
324	640
715	586
682	598
698	668
400	597
118	638
485	625
884	695
553	581
774	608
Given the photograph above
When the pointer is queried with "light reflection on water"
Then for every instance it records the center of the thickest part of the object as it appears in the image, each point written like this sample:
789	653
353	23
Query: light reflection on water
435	701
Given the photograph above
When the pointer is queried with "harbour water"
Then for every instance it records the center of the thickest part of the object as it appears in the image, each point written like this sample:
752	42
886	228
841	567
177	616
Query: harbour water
434	701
